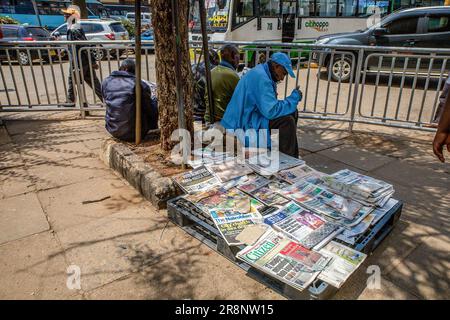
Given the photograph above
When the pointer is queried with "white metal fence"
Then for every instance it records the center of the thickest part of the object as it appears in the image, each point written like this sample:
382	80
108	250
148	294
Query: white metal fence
378	85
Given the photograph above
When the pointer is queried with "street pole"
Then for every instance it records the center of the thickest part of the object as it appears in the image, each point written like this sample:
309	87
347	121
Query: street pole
37	12
137	53
202	10
178	60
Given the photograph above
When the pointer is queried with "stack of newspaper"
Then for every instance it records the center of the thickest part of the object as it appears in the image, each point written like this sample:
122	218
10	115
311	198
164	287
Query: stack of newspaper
269	164
319	200
362	188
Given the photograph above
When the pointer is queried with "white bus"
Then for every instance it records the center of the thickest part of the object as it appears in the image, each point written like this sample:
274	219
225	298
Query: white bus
291	20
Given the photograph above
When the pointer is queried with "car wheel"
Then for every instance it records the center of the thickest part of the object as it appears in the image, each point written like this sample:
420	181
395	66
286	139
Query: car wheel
341	68
23	58
99	54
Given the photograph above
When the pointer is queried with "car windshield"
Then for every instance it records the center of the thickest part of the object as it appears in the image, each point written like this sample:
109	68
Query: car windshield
117	27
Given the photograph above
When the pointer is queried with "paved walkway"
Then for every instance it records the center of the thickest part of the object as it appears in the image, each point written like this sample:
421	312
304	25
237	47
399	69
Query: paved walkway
61	209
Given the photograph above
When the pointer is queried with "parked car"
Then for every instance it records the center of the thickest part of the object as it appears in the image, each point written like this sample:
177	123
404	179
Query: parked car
13	32
101	30
146	19
415	28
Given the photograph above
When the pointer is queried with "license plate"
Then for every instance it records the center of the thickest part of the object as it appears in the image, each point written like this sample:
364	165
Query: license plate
52	52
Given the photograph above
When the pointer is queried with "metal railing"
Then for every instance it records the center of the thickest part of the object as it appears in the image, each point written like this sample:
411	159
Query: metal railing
397	87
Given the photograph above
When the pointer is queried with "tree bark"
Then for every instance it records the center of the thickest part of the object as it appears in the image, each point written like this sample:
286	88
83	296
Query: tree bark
83	8
165	67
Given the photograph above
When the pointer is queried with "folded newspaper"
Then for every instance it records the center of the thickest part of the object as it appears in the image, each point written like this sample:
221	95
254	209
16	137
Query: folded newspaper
360	187
207	156
322	201
269	164
300	225
284	259
199	179
344	261
229	169
230	224
298	173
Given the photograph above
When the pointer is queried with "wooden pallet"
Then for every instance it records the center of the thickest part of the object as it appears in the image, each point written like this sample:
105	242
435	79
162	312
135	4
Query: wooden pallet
197	224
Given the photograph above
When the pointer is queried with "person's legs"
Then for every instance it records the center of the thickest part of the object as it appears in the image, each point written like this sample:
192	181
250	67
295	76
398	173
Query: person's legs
287	127
70	90
97	86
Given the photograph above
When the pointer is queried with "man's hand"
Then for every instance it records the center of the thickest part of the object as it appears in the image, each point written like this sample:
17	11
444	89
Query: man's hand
440	140
299	92
95	66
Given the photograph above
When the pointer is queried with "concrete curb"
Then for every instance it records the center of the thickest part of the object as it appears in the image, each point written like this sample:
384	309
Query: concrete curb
155	188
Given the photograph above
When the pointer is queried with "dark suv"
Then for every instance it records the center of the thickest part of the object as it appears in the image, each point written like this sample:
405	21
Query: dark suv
418	27
12	32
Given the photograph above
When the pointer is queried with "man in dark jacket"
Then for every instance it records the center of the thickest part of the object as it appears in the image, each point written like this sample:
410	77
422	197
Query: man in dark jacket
76	33
119	96
199	75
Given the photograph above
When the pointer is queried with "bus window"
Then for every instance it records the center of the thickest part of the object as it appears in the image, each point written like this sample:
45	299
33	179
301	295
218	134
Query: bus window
50	7
269	8
326	8
16	7
216	16
306	8
243	11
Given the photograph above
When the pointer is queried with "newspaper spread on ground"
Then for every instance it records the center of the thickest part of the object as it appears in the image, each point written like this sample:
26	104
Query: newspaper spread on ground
360	187
269	164
229	170
322	201
230	224
197	180
301	225
298	173
344	262
284	259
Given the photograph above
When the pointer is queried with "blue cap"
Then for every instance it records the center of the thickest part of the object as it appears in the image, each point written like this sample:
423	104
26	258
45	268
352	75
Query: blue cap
283	60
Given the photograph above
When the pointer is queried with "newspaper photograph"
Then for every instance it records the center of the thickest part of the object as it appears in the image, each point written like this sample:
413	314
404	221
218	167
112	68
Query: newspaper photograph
269	197
344	261
232	199
231	229
197	180
301	225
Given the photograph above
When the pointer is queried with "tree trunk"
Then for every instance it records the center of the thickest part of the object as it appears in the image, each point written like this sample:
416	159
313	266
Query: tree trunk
165	67
83	8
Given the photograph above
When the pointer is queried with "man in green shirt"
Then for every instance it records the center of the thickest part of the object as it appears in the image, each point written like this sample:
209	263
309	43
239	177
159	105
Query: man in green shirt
224	79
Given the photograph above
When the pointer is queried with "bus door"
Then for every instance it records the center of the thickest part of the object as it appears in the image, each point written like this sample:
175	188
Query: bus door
288	15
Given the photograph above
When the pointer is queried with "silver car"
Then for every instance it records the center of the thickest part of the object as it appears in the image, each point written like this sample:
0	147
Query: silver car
101	30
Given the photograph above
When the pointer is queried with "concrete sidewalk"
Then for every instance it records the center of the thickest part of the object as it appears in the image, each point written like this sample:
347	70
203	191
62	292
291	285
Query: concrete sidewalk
60	208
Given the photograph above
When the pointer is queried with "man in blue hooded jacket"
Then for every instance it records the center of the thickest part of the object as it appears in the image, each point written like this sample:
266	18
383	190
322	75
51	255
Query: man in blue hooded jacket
254	105
119	96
